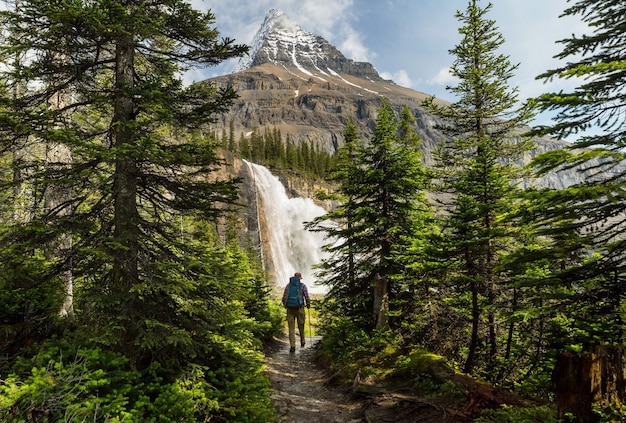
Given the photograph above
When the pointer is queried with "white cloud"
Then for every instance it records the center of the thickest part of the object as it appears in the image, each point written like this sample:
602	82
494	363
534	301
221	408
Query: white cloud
400	77
412	36
241	18
443	77
327	18
332	20
353	48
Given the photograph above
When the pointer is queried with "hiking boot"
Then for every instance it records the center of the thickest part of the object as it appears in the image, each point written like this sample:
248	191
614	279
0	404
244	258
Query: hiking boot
302	344
292	349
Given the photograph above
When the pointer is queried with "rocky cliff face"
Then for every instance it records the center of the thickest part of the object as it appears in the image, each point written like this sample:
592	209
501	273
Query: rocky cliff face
298	83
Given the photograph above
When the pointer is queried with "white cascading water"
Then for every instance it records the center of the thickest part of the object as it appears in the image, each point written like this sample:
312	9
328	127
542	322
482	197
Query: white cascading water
293	248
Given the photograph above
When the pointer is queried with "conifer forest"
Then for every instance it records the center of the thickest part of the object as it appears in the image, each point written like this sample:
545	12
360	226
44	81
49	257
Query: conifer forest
128	295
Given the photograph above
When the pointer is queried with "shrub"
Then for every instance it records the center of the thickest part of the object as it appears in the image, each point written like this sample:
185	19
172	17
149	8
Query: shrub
92	384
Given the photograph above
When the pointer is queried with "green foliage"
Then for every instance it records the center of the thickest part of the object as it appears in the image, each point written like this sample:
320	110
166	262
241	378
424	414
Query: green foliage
610	412
26	285
384	207
196	292
62	384
269	149
342	346
419	365
420	360
477	172
584	221
596	102
508	414
77	386
108	168
350	351
276	317
111	195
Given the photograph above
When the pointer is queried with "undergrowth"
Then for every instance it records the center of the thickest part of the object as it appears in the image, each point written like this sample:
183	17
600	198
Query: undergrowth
64	384
350	351
508	414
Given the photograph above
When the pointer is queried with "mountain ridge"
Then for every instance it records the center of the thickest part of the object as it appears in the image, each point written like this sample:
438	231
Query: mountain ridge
300	84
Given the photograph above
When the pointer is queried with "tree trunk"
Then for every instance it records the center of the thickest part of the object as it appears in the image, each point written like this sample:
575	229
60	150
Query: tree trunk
126	233
511	331
57	199
493	330
473	345
588	380
381	302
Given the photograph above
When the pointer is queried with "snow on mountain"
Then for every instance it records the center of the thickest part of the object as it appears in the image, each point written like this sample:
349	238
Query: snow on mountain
258	40
279	35
282	42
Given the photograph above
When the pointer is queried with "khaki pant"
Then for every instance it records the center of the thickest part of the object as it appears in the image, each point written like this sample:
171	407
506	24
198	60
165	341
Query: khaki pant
294	314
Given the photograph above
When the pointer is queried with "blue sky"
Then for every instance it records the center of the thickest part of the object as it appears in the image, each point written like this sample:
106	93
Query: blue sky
408	40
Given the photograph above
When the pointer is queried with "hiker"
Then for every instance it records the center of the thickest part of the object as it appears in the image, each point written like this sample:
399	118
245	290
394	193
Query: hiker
295	297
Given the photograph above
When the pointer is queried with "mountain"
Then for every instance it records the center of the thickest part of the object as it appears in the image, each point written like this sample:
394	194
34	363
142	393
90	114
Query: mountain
297	82
283	43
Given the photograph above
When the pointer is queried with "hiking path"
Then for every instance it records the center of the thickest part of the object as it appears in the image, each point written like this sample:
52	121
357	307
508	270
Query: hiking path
304	392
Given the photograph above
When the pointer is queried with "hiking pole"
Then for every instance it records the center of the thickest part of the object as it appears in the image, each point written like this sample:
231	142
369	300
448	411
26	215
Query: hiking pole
309	319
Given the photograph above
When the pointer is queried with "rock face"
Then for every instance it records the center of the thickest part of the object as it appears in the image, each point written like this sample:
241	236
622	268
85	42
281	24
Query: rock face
298	83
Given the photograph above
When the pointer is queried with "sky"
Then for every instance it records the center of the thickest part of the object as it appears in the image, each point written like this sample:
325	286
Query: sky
408	41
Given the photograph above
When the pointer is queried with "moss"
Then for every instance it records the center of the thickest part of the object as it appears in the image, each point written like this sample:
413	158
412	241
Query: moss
422	361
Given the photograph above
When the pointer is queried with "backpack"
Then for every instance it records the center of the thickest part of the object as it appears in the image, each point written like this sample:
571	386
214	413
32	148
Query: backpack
294	293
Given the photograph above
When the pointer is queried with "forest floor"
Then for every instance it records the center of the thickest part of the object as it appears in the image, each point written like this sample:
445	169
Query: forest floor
304	391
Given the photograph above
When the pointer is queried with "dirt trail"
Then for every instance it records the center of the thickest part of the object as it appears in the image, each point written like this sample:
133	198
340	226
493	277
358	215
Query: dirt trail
302	394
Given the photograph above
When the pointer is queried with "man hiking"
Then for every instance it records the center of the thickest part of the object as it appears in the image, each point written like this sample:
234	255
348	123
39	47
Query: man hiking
295	297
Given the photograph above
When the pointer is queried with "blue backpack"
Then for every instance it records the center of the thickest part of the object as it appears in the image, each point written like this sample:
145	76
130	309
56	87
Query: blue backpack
294	293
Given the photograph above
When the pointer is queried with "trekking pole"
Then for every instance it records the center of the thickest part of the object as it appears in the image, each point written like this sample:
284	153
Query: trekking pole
309	319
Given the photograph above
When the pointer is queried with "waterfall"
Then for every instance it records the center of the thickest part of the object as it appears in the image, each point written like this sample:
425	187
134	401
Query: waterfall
291	247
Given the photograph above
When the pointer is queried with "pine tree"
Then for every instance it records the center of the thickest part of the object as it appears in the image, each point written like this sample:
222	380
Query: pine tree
231	136
136	164
477	172
592	210
383	189
291	154
257	146
244	147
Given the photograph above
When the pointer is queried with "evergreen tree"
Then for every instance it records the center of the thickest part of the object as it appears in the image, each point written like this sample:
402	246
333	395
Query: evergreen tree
478	173
281	151
231	136
591	287
269	145
383	187
301	156
291	154
257	146
136	164
244	147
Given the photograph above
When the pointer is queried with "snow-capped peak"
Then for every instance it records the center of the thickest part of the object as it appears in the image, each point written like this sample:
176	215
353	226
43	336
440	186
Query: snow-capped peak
258	40
282	42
